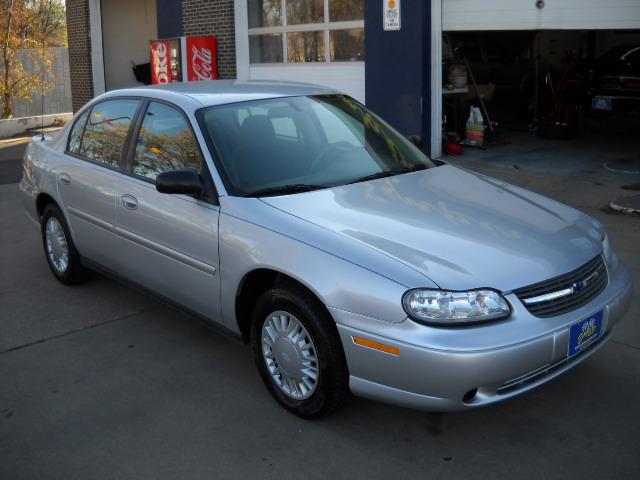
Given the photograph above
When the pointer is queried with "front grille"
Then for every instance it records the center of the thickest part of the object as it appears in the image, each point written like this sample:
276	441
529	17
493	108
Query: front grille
573	283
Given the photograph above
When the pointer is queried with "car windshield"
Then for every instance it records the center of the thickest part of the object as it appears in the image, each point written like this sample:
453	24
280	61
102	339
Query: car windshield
295	144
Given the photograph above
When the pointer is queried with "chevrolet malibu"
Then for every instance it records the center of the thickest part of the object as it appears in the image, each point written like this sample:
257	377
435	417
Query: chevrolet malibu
295	219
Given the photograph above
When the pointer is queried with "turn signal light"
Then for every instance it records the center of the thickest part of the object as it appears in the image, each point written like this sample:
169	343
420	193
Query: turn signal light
376	346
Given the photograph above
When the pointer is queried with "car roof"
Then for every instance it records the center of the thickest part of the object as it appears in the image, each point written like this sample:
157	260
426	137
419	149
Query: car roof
220	92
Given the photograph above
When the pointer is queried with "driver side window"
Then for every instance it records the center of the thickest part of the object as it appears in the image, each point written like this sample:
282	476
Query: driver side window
165	143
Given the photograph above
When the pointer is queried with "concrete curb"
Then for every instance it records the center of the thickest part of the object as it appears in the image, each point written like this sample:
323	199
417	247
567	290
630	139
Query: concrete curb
15	126
626	205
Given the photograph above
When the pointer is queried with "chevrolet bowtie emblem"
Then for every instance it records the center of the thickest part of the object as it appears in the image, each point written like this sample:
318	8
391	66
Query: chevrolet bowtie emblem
577	287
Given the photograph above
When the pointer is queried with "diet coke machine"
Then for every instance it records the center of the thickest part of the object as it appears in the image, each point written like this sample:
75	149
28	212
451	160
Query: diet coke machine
165	61
188	59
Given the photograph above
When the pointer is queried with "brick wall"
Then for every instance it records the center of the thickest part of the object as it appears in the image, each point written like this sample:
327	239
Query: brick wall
79	52
213	17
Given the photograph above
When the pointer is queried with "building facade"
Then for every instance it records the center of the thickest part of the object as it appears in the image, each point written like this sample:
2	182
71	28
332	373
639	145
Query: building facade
386	53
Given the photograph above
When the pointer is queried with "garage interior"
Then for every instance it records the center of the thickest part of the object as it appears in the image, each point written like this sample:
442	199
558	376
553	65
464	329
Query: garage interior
562	101
127	28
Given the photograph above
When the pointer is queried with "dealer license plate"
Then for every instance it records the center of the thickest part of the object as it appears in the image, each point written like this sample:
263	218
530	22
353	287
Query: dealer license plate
602	103
584	333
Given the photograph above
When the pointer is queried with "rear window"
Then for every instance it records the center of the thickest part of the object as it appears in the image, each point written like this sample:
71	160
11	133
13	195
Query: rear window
75	137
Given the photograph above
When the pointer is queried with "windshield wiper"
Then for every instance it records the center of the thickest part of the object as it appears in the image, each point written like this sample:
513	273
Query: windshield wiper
388	173
284	189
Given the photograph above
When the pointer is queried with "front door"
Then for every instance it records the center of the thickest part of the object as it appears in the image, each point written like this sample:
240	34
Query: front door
168	243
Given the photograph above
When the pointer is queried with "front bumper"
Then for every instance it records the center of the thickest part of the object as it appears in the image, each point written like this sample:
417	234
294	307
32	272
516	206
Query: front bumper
452	369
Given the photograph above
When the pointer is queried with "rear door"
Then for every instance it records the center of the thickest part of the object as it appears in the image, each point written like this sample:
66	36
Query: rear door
88	176
168	243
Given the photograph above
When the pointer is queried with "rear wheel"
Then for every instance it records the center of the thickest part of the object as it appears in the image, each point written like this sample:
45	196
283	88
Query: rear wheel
59	249
298	352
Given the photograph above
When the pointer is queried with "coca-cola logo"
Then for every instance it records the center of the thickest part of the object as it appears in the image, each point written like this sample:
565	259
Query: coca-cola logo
201	60
162	63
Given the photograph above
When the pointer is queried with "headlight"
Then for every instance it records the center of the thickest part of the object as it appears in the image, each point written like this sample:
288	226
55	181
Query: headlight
441	307
609	255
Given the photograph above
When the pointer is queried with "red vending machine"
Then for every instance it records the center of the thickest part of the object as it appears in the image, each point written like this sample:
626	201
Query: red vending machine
200	57
166	64
189	59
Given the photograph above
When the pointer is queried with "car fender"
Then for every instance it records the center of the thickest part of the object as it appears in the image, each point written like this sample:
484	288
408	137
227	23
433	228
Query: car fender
270	239
40	176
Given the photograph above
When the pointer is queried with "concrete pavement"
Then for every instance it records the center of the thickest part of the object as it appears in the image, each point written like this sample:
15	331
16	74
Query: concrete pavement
101	382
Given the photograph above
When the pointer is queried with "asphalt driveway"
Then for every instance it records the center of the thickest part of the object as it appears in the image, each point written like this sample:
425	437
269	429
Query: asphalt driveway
101	382
11	159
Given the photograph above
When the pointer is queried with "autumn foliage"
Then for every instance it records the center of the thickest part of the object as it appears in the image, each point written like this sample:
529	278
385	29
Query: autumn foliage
29	27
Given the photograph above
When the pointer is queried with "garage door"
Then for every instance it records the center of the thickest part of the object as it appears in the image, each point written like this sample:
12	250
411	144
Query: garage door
526	15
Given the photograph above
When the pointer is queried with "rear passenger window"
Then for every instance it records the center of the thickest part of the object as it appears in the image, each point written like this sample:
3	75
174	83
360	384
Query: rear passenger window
165	143
107	129
75	137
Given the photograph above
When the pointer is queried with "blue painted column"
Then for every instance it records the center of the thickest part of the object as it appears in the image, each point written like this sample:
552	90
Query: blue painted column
169	18
397	66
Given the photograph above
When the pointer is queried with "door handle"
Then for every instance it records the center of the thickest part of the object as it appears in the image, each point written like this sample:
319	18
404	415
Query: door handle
129	202
64	179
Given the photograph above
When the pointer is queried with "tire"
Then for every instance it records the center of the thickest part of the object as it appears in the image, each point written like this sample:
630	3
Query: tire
320	337
72	271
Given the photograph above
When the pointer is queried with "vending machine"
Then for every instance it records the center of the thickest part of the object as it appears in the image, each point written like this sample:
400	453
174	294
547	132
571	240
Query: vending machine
189	59
165	61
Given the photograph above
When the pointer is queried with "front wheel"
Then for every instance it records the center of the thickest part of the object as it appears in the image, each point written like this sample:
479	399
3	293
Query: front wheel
298	352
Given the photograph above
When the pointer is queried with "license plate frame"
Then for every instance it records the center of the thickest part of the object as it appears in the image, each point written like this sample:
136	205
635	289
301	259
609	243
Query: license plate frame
585	333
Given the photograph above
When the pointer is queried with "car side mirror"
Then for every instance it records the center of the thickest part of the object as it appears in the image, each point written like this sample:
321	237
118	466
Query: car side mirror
187	182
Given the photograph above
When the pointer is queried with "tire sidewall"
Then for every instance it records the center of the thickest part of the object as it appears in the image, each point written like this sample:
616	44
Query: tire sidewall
70	274
281	299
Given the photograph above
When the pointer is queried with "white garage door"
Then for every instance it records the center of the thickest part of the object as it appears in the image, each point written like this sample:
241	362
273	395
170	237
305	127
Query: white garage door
463	15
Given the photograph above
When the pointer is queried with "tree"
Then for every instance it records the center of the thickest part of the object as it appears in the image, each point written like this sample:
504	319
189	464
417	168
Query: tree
30	26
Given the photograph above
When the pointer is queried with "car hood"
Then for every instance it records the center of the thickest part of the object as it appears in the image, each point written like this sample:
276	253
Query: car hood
460	229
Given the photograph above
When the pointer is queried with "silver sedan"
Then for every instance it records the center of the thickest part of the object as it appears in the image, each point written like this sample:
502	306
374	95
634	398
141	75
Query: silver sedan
295	219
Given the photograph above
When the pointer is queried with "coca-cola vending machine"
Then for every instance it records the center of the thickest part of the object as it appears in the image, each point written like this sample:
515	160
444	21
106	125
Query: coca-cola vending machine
200	57
189	59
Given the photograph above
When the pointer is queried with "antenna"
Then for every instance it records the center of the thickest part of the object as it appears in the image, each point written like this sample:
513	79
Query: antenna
42	95
42	138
